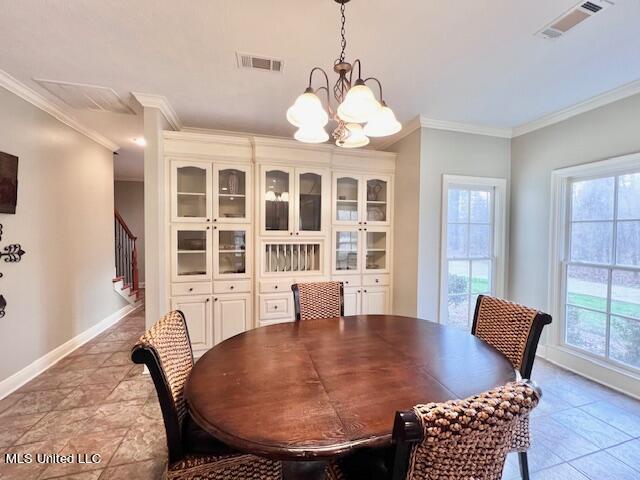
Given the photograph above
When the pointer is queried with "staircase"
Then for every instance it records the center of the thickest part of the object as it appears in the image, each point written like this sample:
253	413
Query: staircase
126	255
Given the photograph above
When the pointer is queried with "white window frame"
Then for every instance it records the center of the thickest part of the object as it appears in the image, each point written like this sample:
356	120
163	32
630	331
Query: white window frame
499	234
606	371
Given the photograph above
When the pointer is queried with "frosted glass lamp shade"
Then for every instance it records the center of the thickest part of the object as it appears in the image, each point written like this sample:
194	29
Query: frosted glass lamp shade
356	137
307	112
382	123
314	134
359	104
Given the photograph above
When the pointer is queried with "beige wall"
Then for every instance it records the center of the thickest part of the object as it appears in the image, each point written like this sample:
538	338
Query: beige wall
606	132
449	153
64	222
424	157
406	221
129	201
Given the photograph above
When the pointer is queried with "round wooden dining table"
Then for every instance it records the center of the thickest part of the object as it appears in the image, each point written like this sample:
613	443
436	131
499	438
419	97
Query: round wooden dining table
317	389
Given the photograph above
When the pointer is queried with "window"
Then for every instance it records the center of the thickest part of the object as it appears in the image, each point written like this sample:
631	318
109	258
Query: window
472	245
602	267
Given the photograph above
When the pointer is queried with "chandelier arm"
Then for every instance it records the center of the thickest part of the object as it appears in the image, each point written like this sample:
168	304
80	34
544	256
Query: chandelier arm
379	86
314	69
357	60
326	89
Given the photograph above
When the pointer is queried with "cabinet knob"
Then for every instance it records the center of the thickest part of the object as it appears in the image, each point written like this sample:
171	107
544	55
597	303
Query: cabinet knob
297	233
215	228
365	223
215	299
215	219
208	228
207	300
365	291
275	307
231	287
365	229
208	219
276	287
191	289
358	291
377	281
347	282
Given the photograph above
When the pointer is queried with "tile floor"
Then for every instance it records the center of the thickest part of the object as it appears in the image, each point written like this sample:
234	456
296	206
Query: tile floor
97	401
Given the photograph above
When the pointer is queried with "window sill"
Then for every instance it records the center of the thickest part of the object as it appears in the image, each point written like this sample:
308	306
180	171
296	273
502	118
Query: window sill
601	372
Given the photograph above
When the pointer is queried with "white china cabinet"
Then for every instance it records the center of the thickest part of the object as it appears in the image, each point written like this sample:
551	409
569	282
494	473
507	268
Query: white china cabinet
320	213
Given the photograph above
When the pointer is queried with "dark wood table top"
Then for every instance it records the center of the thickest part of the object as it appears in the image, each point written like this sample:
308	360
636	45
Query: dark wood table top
320	388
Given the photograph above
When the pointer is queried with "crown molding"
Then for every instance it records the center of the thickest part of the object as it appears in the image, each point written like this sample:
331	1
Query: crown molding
160	102
34	98
598	101
421	121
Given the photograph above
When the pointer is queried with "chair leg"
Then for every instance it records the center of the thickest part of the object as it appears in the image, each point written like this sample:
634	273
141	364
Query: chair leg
524	465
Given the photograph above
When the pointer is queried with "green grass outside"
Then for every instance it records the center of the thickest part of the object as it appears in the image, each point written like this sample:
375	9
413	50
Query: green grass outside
598	303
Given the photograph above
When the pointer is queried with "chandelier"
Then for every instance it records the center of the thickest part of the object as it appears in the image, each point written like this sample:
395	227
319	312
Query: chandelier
359	114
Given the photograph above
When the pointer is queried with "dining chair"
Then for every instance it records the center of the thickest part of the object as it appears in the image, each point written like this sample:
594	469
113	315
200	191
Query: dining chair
318	300
515	331
193	454
467	438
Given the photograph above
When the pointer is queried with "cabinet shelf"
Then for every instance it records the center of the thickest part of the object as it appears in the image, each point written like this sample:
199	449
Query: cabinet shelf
193	194
376	249
191	251
232	251
239	195
347	201
377	202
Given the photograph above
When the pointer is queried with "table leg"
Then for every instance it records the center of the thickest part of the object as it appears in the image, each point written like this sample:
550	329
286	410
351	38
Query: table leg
303	470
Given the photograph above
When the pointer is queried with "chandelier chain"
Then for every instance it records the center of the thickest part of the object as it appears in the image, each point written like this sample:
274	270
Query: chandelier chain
343	43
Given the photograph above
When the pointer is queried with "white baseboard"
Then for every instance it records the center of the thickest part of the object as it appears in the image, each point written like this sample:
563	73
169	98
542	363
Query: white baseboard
15	381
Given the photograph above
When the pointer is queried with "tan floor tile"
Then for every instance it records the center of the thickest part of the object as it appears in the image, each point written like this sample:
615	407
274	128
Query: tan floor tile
141	443
81	362
103	444
93	348
131	390
136	371
86	396
12	428
10	400
26	471
37	402
148	470
92	475
116	415
107	375
58	424
119	358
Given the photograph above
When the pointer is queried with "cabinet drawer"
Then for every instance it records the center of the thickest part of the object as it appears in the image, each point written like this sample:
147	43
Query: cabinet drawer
276	306
199	288
373	280
276	286
349	280
240	286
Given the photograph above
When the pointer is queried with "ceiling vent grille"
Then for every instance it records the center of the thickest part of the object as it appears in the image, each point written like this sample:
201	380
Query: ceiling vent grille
573	17
258	62
86	97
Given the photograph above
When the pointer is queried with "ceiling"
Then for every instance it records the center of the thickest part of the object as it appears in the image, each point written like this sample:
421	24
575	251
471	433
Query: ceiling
473	61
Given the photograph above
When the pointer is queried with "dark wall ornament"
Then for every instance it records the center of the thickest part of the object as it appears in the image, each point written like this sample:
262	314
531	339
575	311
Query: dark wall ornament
10	254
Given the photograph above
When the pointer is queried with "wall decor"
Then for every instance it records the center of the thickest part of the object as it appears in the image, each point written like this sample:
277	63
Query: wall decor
11	254
8	183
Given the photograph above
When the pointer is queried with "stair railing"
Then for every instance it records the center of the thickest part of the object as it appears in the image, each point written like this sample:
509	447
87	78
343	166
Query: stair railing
126	253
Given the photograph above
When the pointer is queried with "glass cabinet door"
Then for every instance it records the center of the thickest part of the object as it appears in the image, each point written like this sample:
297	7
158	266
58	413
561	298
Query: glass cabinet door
191	248
376	250
276	200
346	199
191	192
230	252
346	250
377	198
309	208
232	194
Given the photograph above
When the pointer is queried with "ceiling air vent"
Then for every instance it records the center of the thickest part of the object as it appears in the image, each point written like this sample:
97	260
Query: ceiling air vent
258	62
86	97
573	17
